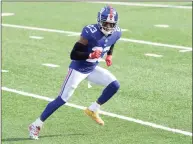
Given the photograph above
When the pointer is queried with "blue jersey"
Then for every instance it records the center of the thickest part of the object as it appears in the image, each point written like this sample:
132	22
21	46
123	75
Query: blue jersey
95	39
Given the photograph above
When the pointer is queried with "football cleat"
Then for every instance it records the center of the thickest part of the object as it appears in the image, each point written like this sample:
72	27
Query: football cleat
34	131
94	116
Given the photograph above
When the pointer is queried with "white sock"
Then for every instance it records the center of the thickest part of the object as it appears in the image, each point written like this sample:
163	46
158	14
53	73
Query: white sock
94	107
38	122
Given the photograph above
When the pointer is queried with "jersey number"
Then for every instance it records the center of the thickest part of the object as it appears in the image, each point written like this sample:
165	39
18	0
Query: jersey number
92	28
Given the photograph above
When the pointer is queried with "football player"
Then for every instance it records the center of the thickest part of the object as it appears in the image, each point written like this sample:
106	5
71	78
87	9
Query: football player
96	40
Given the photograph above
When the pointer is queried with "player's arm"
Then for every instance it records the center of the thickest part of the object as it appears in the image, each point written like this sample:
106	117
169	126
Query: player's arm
110	52
79	51
109	56
118	36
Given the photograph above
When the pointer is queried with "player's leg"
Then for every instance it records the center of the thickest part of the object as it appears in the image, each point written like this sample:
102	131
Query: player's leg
108	80
103	77
72	80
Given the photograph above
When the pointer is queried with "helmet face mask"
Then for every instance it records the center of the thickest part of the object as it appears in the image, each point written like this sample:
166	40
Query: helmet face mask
107	27
107	20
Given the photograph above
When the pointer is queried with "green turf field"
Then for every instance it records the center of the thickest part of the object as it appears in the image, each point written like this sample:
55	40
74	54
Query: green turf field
153	89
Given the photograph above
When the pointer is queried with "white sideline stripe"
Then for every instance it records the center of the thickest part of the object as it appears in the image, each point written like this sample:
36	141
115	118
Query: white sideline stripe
144	5
103	112
122	39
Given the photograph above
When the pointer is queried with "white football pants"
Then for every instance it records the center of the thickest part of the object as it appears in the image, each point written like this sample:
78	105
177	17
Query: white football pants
98	76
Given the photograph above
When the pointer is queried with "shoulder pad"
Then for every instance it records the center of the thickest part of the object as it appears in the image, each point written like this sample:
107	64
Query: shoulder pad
88	31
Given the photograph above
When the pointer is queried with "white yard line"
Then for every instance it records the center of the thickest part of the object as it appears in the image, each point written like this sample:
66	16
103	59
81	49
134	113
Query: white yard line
89	85
182	51
51	65
76	33
153	55
7	14
162	25
123	30
155	44
36	37
4	71
144	5
39	29
103	112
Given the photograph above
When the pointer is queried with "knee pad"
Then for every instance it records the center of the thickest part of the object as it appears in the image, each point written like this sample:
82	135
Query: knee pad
115	85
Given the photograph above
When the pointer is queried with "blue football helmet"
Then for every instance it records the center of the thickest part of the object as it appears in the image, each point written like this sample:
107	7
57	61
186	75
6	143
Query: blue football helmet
107	20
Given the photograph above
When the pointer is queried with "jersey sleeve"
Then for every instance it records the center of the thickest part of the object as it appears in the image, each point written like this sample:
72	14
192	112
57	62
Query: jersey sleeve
101	43
86	33
119	33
